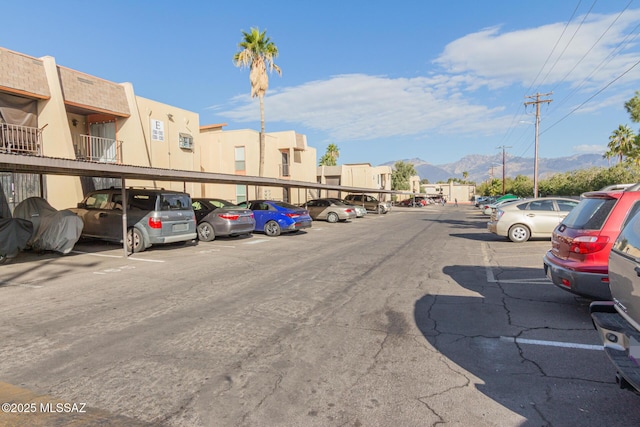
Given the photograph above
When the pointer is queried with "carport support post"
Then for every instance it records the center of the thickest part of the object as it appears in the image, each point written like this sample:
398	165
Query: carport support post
124	217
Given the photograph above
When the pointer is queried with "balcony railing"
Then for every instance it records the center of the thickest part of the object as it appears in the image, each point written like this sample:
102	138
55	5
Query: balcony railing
97	149
20	139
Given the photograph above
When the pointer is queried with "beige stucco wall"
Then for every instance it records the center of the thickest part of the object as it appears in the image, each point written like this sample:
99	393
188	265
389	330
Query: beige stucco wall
218	155
62	191
361	175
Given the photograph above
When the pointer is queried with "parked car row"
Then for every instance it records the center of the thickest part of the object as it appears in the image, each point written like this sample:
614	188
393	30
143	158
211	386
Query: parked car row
595	253
158	216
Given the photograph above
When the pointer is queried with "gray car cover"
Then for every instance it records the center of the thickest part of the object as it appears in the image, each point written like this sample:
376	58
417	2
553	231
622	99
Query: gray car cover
53	230
14	235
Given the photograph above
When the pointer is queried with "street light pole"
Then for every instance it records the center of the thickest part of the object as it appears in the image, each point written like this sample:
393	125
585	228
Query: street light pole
537	102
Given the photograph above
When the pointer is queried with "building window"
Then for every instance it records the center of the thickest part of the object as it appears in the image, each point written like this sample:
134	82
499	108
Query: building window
241	193
239	156
284	168
185	141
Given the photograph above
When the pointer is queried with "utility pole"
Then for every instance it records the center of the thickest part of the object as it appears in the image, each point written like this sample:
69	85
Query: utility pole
537	102
504	167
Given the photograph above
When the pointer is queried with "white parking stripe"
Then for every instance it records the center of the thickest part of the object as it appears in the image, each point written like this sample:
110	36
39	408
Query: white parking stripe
553	343
254	241
116	256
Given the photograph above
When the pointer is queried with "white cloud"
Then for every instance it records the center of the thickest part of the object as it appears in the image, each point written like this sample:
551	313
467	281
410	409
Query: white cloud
358	106
470	95
583	52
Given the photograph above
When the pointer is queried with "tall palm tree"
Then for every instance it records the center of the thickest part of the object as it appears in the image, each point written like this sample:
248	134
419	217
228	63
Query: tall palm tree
257	53
621	142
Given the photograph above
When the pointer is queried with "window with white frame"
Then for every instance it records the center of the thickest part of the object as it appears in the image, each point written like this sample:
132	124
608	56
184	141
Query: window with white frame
241	193
185	141
239	156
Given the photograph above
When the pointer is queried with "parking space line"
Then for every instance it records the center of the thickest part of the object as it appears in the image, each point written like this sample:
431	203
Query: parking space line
116	256
552	343
254	241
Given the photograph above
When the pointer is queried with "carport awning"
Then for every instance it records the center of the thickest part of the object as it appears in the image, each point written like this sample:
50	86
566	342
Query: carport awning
56	166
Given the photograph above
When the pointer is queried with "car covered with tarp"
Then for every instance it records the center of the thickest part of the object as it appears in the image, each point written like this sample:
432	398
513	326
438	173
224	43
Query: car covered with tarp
15	233
53	230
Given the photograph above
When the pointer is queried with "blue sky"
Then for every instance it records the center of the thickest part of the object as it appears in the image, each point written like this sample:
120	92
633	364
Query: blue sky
384	81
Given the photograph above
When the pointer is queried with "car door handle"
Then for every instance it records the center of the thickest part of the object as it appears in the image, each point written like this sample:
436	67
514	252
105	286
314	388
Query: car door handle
531	215
102	214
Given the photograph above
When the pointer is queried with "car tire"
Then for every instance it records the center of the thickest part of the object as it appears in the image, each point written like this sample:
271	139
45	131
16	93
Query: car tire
380	210
332	217
135	240
206	233
272	229
519	233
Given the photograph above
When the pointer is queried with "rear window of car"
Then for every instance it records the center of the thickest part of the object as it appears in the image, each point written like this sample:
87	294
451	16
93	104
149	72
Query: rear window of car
286	205
174	202
590	214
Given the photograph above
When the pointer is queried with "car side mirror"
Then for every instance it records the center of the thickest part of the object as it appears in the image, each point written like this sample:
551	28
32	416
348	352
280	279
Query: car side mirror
81	205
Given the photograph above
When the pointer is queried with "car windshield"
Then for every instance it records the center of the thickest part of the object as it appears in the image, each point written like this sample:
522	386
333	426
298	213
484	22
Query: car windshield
219	203
590	214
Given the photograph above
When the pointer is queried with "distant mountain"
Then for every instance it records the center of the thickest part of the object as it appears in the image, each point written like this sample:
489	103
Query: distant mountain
479	167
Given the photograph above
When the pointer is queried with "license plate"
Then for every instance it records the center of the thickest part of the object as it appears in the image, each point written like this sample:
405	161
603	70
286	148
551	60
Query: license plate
246	219
180	227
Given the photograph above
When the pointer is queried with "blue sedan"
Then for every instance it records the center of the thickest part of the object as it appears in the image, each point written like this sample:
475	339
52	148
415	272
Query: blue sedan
273	217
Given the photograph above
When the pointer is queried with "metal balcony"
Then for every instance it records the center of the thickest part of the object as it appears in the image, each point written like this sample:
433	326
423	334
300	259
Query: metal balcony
20	139
97	149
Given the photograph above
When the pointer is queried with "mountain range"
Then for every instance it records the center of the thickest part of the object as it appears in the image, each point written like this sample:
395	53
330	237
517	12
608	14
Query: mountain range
482	167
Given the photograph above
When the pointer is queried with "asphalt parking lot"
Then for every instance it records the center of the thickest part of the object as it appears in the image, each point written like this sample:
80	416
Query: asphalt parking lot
419	317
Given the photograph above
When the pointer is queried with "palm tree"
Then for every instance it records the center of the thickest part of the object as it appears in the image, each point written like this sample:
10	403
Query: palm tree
331	156
257	53
621	142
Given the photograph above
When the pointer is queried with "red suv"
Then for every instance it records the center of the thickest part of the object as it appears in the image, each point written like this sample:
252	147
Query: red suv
581	243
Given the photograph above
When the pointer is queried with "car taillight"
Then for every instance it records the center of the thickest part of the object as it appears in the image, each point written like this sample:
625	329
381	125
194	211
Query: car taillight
348	210
499	214
588	244
230	217
155	222
292	215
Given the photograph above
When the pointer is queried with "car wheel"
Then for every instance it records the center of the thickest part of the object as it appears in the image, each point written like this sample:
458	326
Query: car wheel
206	232
380	210
272	229
519	233
332	217
135	241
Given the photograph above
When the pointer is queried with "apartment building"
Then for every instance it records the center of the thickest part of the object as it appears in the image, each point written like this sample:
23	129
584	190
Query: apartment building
50	110
361	175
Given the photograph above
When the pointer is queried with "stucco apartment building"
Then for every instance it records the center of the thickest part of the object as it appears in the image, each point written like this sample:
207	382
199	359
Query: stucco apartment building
356	175
50	110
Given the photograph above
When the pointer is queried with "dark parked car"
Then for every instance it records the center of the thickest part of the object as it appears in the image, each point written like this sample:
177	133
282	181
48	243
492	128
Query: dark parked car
154	216
579	256
273	217
217	217
618	321
370	203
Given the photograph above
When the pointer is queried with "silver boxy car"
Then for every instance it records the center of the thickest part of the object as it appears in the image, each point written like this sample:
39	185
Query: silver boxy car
618	321
154	216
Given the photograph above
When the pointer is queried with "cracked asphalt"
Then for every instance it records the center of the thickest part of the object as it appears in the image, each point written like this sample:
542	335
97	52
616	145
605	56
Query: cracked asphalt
415	318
